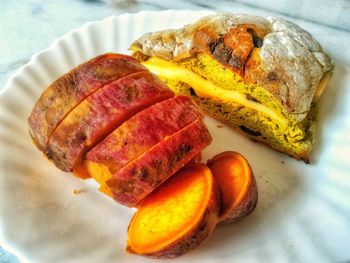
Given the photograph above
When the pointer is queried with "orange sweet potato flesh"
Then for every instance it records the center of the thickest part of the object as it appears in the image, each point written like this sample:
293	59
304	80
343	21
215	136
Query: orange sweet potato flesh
102	112
236	183
69	90
177	216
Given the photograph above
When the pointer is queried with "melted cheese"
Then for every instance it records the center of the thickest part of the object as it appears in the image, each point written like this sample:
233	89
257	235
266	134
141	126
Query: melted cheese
322	84
206	89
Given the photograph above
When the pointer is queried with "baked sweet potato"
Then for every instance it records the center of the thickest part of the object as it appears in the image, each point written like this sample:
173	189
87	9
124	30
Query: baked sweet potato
236	183
140	177
146	136
137	135
69	90
177	216
102	112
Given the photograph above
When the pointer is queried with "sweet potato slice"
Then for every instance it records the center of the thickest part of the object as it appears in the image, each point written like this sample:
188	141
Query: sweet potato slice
101	113
236	183
138	134
140	177
69	90
177	216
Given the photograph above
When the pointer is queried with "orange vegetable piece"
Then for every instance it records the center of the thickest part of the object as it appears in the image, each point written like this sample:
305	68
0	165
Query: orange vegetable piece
237	185
177	216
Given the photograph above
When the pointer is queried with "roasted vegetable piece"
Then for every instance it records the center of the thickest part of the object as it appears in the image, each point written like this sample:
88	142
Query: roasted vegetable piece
69	90
177	216
101	113
137	135
237	185
140	177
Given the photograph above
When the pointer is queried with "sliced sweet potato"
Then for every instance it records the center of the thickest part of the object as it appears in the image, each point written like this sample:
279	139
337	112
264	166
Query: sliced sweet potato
69	90
138	134
102	112
236	183
140	177
177	216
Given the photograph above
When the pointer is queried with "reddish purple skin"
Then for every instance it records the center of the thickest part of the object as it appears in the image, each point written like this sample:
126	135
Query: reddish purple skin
70	89
101	113
140	177
249	201
246	207
144	130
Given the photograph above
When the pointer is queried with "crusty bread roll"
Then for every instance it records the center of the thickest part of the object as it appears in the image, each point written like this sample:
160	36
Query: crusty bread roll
262	76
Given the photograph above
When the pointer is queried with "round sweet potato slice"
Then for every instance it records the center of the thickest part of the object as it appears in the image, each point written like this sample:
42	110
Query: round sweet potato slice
236	183
176	217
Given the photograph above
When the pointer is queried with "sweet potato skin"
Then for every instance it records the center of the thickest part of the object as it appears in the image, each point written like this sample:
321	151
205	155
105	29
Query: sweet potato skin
100	114
197	234
245	208
249	201
73	87
144	130
140	177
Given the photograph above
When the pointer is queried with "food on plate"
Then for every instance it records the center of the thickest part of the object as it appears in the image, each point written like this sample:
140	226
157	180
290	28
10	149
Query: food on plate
236	183
132	134
137	135
176	217
183	211
137	179
99	114
69	90
262	76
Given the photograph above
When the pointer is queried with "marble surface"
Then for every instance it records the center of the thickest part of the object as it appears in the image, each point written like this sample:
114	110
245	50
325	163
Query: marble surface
28	26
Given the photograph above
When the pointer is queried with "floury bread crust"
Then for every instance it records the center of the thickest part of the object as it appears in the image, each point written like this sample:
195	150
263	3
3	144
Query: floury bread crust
275	63
292	61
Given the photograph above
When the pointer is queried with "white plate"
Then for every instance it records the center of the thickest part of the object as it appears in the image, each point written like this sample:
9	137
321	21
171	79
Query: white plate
302	213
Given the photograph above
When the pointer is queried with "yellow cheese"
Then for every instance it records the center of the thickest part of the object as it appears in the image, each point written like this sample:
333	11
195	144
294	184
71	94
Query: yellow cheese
323	84
206	89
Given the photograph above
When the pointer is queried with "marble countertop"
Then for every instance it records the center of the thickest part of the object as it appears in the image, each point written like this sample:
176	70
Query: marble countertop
28	26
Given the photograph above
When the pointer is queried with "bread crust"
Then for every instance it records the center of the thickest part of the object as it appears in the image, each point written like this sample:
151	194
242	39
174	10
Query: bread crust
290	61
